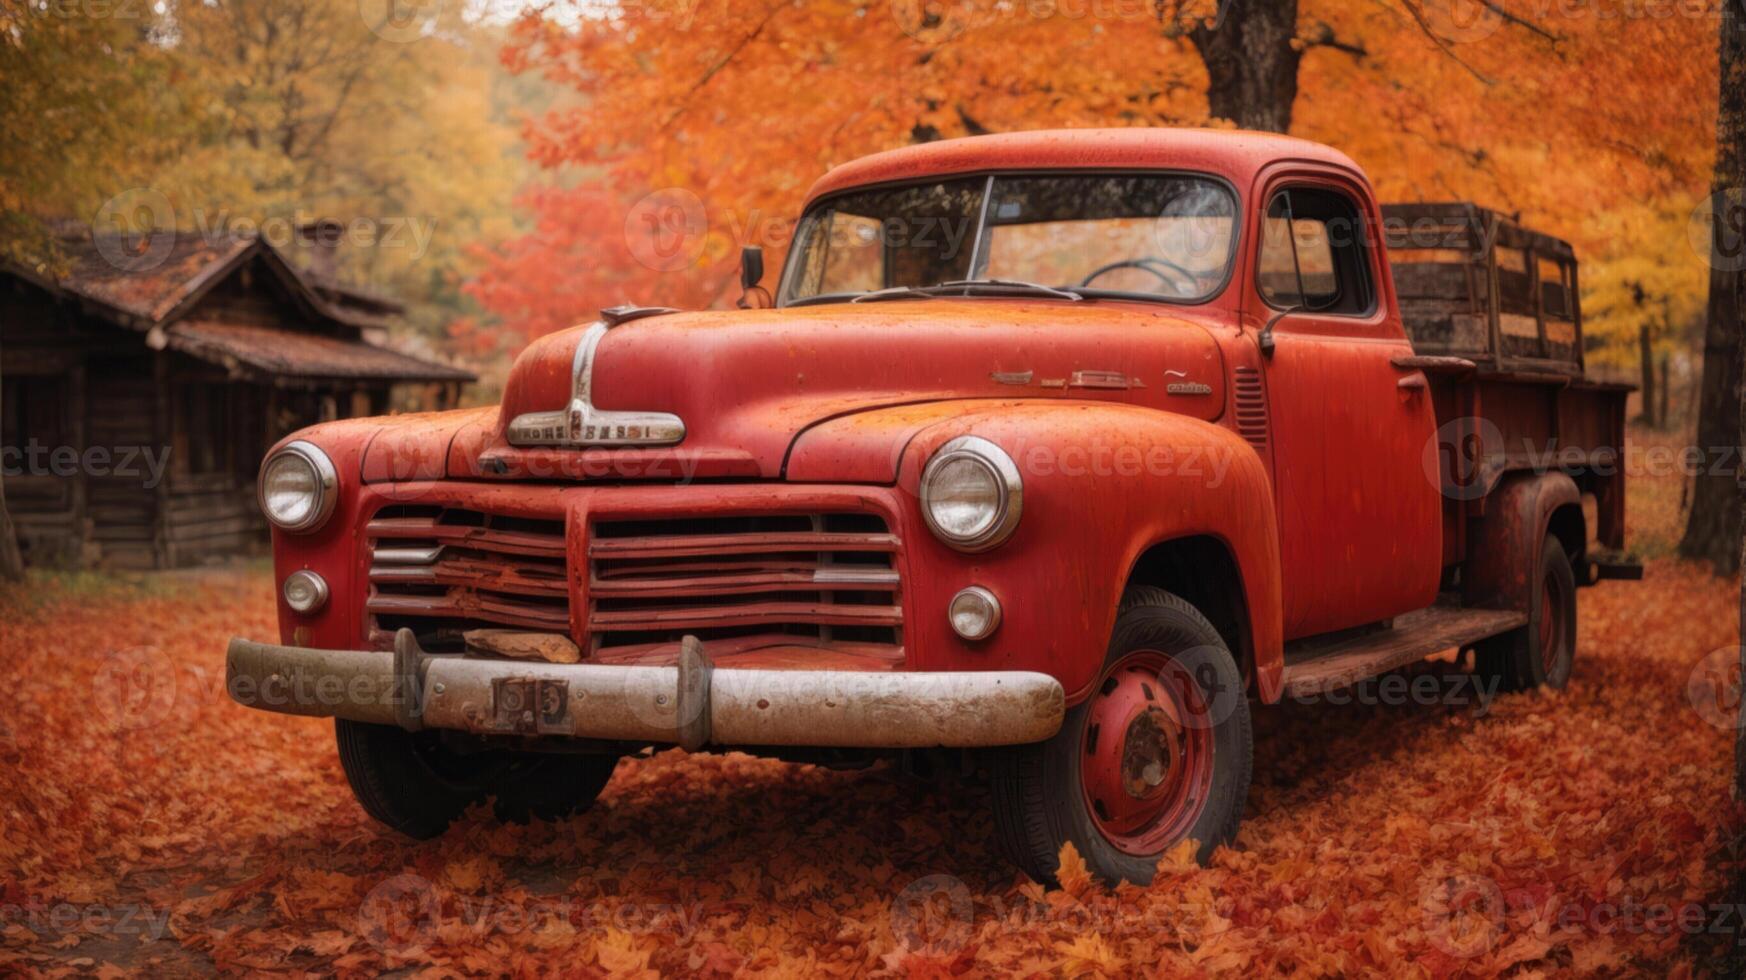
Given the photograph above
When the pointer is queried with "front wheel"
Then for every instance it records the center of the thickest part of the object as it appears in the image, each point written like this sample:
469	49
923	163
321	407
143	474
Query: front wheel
1158	754
416	784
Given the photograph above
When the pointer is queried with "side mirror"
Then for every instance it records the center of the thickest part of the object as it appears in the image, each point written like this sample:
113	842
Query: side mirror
1264	339
752	295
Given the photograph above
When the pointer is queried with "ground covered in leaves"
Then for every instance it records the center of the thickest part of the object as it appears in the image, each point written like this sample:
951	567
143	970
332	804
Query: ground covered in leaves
146	823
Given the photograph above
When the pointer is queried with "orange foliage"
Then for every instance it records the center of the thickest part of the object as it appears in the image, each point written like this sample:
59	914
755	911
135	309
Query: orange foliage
732	107
148	823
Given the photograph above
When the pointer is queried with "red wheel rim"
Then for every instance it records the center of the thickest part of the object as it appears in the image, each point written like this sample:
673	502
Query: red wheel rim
1551	623
1146	753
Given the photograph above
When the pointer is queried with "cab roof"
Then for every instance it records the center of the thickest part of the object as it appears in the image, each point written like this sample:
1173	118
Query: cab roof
1234	154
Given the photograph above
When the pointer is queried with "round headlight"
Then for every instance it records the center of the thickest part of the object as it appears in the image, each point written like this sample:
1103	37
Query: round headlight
971	494
298	487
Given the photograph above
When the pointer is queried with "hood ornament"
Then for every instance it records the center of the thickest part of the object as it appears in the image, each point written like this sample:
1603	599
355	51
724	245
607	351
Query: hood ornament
580	424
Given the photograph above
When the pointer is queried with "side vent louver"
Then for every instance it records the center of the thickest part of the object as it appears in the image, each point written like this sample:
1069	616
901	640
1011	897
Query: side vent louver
1251	403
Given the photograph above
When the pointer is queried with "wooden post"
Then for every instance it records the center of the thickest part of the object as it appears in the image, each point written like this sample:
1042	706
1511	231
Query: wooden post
163	551
11	559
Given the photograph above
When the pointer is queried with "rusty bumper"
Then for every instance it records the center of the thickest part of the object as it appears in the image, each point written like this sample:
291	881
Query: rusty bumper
691	704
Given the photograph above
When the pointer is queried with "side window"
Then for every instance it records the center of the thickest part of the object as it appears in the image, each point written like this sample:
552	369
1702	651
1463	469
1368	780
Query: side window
1312	254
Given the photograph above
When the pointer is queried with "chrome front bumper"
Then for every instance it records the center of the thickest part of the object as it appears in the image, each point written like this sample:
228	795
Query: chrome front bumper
692	704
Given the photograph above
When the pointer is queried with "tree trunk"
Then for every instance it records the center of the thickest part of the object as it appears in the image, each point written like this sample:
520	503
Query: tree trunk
1713	530
1251	65
1666	386
1731	173
1647	352
11	562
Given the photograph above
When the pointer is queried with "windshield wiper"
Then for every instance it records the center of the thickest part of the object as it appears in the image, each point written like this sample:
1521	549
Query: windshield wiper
893	292
968	287
1008	286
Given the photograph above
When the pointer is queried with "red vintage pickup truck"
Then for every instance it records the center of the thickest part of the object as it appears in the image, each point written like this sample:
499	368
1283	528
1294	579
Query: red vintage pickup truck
1052	449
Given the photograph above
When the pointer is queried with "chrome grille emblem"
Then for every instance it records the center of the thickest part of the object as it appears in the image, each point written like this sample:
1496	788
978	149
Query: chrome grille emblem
581	424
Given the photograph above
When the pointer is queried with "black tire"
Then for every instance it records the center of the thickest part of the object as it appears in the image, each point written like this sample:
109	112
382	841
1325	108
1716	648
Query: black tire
550	787
1519	660
408	781
1040	800
413	783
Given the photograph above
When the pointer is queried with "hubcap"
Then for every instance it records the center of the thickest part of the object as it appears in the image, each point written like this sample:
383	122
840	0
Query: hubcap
1146	766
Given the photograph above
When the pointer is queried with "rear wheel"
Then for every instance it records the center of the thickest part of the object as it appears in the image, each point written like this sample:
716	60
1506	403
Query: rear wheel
1542	652
416	784
1159	753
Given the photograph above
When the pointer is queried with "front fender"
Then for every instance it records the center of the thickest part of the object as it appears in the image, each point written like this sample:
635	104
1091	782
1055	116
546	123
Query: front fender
1102	484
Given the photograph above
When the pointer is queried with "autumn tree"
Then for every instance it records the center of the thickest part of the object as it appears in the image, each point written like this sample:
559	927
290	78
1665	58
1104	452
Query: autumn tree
1712	532
741	103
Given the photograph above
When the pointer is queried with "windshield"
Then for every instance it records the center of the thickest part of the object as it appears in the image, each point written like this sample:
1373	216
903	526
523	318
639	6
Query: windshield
1157	236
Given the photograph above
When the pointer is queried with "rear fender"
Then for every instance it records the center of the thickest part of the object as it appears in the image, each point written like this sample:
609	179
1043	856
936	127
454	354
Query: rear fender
1505	545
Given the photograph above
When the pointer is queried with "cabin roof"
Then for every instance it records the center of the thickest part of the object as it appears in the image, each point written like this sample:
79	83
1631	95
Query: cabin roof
155	281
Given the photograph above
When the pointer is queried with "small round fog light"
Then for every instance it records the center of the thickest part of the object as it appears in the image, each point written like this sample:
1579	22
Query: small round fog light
974	612
305	592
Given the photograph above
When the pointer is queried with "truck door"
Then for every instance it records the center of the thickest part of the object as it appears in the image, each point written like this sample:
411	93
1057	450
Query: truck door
1360	522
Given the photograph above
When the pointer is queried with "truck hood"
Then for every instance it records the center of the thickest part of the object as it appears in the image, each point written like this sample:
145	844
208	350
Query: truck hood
748	384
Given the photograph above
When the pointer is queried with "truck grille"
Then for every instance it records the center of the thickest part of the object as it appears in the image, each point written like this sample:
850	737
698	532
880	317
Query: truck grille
823	577
829	577
441	571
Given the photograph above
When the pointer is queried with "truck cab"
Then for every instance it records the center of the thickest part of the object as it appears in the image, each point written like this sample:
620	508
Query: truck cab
1052	449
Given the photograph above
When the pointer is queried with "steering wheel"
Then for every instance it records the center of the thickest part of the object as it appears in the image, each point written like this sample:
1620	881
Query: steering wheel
1152	264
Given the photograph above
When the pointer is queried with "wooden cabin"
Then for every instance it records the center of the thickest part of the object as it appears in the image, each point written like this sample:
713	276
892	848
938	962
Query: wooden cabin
142	380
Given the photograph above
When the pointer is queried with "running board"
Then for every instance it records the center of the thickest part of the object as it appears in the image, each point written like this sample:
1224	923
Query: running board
1318	665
